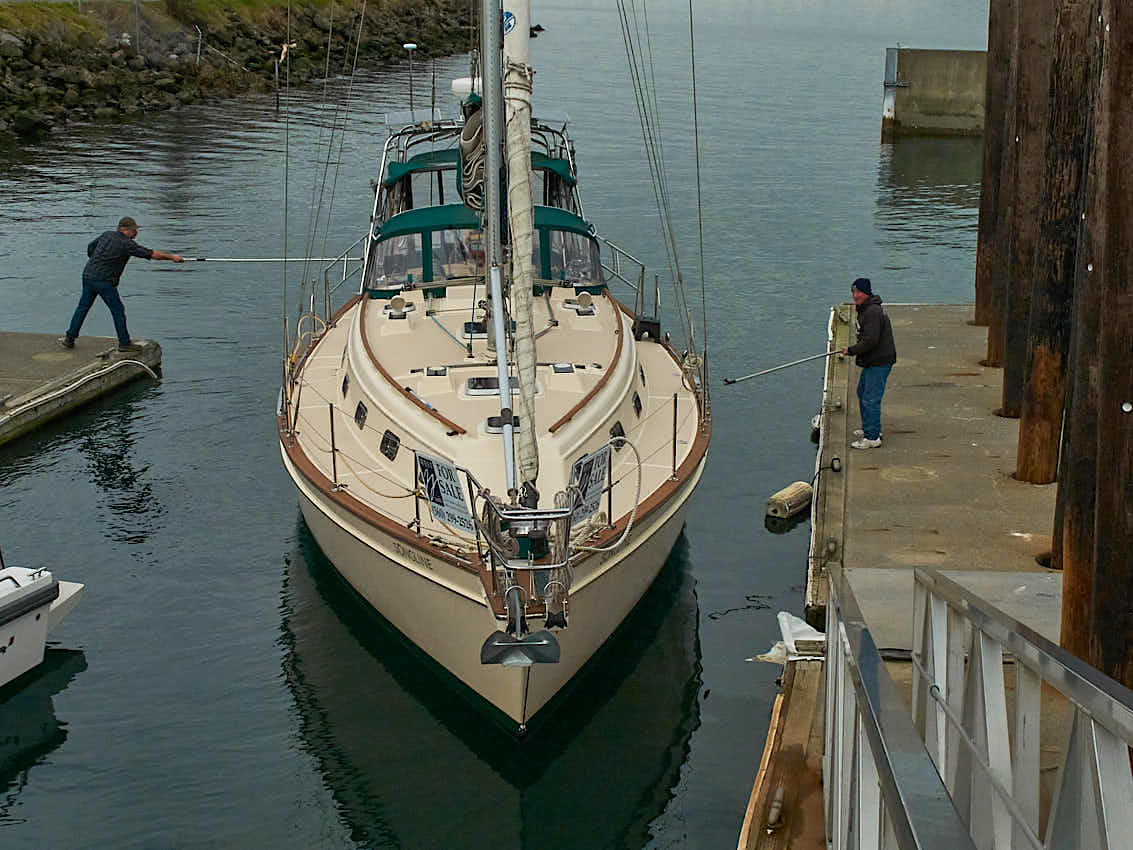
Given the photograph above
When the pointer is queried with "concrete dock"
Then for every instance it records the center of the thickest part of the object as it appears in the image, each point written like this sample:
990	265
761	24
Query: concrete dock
938	493
41	381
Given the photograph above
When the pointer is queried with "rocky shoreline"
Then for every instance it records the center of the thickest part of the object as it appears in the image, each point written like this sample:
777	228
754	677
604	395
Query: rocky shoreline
59	66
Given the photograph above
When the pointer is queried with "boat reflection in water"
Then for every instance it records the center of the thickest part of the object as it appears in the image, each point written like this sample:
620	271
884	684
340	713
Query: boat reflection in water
29	729
411	762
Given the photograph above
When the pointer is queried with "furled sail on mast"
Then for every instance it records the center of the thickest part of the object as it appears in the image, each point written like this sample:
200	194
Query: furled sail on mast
518	76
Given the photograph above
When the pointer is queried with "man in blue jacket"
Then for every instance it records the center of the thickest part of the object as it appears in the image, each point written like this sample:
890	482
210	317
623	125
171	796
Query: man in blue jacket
875	352
109	254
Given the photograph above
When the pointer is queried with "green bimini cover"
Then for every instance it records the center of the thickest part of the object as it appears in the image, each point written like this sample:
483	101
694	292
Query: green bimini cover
428	161
553	218
427	219
450	158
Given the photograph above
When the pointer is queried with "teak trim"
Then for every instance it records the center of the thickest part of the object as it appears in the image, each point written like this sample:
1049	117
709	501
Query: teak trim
359	509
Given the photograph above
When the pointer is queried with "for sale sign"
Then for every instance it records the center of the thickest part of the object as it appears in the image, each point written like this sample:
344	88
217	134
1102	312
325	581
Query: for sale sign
588	480
439	481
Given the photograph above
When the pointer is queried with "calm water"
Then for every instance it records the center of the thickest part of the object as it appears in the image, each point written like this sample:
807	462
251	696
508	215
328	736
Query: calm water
217	687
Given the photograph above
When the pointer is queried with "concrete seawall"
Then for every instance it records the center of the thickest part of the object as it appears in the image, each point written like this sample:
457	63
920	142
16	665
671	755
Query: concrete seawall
933	93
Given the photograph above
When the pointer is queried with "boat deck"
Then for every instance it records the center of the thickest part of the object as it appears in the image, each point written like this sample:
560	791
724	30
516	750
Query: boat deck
611	379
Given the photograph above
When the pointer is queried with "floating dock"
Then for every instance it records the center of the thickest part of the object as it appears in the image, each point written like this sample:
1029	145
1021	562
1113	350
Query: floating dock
939	493
41	381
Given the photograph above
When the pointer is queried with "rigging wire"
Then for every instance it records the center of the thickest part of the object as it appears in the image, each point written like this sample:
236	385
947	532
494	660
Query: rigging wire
286	152
699	208
345	118
316	203
645	95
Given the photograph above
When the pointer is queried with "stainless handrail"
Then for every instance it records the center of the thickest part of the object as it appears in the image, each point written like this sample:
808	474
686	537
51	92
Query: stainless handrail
921	810
1109	702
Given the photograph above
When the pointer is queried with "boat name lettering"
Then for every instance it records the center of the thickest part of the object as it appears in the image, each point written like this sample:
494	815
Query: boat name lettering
413	555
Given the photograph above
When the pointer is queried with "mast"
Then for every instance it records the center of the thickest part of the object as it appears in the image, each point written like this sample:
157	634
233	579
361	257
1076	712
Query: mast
492	92
518	76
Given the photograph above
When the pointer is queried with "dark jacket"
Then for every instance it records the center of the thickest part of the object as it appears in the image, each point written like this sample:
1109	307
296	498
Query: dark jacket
875	346
109	254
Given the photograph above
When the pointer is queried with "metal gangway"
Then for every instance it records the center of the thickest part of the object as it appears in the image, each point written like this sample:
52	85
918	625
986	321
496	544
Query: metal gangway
994	707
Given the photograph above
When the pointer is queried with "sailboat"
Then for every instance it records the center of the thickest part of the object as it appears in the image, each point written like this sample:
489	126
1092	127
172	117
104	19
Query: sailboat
506	533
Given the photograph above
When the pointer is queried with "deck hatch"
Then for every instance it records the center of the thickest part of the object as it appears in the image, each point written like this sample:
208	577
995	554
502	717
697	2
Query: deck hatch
489	385
360	415
636	403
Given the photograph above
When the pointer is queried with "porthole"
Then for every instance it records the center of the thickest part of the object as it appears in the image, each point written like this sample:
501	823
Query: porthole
345	384
390	444
641	371
618	433
637	404
360	415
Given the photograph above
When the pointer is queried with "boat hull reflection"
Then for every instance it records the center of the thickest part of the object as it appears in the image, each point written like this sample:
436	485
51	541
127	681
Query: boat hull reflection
411	763
29	729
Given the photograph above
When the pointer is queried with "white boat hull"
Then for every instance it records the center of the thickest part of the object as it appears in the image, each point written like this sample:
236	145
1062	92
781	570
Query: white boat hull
443	610
31	604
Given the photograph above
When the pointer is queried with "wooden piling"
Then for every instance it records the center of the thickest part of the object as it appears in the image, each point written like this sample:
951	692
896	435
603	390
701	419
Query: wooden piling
1111	649
995	249
1077	488
1073	78
990	256
1035	24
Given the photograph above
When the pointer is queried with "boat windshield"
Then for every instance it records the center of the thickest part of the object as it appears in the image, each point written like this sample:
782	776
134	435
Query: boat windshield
562	255
424	257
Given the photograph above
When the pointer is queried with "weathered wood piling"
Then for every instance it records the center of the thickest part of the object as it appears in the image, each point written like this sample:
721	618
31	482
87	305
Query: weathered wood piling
1057	209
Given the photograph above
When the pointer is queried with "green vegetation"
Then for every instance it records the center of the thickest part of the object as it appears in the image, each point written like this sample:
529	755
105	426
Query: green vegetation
58	64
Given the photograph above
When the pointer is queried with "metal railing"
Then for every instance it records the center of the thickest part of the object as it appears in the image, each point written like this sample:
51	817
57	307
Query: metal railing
619	257
880	787
988	751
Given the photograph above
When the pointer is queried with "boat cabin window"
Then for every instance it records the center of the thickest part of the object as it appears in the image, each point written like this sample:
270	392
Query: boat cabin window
424	257
566	256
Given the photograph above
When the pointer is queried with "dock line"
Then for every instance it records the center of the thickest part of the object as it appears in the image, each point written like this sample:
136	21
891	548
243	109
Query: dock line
56	393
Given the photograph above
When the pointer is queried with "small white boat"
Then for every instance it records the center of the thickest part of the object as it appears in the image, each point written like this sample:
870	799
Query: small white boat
32	603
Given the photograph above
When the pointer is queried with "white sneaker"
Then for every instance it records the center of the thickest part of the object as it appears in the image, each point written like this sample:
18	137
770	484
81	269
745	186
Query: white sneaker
858	432
863	443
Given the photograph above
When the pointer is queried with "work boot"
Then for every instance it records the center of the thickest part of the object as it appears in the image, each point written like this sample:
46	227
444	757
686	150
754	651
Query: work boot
66	341
130	347
864	443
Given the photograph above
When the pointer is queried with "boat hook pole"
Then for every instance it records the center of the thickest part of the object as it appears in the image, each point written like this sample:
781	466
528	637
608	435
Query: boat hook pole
783	366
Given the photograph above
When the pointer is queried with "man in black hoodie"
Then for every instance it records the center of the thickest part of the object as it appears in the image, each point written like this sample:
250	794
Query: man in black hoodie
875	352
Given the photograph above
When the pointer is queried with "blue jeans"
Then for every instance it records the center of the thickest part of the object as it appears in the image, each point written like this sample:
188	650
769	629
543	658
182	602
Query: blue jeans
871	387
108	292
